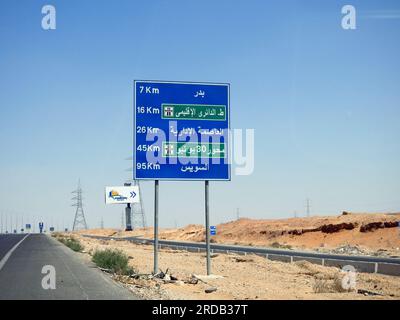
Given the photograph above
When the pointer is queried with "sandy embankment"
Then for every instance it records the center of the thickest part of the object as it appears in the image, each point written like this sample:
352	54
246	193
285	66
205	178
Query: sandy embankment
367	231
243	277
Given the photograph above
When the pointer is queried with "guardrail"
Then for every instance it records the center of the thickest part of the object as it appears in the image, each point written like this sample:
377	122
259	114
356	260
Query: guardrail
368	264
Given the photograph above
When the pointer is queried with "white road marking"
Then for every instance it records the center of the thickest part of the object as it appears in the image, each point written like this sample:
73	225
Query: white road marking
9	253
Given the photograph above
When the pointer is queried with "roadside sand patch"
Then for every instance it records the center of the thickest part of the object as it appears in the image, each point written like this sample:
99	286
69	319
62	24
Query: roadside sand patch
254	278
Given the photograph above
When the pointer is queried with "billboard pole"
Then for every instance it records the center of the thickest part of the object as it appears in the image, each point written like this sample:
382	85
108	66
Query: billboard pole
207	185
156	187
128	214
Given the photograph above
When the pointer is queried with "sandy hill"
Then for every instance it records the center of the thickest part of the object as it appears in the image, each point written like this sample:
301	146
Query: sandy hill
372	231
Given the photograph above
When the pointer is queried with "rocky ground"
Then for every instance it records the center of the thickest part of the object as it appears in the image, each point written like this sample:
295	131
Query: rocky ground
238	277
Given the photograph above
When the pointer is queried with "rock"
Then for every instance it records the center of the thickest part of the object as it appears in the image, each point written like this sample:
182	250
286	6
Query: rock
192	280
207	277
210	290
378	225
368	293
160	275
212	255
179	283
239	259
332	228
350	250
327	228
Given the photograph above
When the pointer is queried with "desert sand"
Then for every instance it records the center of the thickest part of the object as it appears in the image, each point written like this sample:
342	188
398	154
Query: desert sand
253	277
370	232
242	277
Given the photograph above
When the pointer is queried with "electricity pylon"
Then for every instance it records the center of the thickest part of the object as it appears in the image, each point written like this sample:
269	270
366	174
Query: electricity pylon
138	217
79	221
308	207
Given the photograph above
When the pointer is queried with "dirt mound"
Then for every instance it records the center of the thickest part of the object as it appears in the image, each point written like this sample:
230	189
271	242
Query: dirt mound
370	231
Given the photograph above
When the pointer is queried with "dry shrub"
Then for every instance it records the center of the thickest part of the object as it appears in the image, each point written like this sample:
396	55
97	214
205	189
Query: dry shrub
321	286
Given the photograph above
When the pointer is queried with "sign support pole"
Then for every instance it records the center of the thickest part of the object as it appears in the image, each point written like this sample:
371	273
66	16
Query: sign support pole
128	214
207	185
156	187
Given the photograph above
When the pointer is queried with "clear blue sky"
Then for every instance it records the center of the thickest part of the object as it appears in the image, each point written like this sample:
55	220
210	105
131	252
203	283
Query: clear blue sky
324	103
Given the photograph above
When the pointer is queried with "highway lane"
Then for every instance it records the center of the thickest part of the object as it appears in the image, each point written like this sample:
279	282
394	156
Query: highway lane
76	278
7	241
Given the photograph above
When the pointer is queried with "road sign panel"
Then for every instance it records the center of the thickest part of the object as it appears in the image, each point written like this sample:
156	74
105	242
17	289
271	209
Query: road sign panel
181	131
213	230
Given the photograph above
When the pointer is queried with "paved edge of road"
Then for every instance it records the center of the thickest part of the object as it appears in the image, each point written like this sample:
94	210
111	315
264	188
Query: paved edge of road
7	256
83	259
367	264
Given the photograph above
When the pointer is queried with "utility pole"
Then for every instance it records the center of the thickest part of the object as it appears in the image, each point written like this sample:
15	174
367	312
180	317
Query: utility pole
308	207
237	214
102	223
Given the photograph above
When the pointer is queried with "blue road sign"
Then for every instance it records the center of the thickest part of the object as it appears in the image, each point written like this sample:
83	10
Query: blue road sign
213	230
181	131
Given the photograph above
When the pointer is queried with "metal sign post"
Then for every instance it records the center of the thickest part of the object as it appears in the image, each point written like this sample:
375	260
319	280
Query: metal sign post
128	217
207	187
156	186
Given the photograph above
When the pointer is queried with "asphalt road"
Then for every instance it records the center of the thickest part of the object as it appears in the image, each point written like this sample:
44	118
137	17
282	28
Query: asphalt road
76	278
